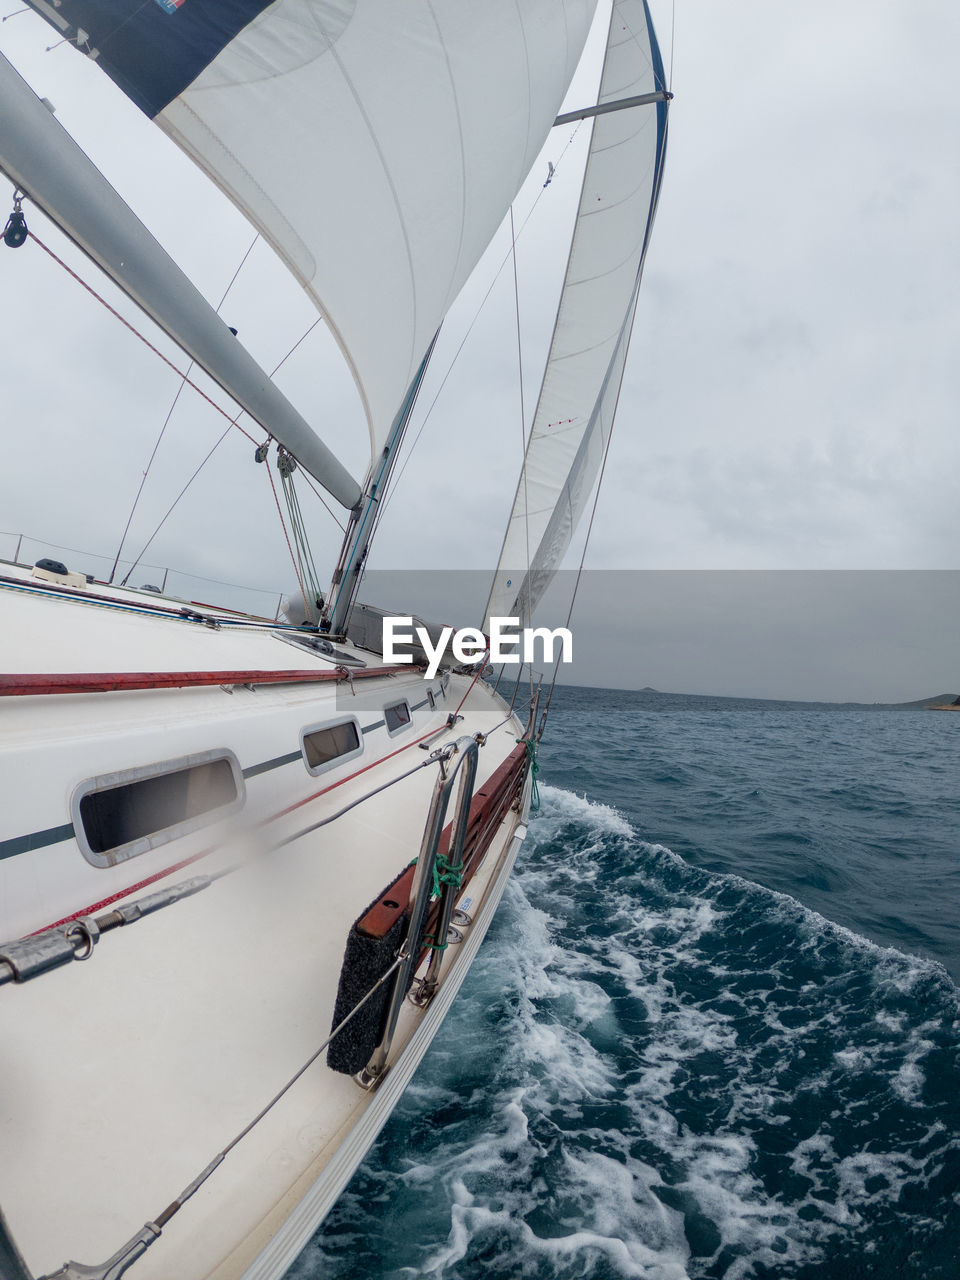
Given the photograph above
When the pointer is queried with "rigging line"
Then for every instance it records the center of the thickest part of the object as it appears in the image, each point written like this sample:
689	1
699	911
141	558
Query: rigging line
576	585
523	430
301	539
145	340
673	27
303	337
476	316
173	504
166	421
283	526
483	663
233	423
333	515
279	365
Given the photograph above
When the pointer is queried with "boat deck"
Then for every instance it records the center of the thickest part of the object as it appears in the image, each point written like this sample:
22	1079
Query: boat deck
122	1077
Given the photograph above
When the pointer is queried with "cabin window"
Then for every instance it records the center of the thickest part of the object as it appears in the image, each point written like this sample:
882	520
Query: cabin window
325	745
397	716
121	815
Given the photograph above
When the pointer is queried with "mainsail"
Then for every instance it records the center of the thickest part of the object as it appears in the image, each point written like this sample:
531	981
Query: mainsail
376	144
581	385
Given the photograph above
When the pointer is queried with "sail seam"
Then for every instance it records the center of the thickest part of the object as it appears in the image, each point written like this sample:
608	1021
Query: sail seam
394	195
449	295
526	59
615	204
600	275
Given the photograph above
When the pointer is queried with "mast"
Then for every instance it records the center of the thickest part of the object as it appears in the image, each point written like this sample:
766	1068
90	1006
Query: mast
363	519
42	160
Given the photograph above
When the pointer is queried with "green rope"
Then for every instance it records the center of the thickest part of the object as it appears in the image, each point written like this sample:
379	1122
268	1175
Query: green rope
534	770
445	872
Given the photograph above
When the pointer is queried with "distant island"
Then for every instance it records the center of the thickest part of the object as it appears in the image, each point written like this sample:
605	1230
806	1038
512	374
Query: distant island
936	702
659	699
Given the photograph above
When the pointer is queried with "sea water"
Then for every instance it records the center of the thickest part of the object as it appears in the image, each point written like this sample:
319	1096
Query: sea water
713	1031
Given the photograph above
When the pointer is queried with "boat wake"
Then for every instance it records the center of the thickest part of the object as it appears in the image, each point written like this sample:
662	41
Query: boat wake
658	1071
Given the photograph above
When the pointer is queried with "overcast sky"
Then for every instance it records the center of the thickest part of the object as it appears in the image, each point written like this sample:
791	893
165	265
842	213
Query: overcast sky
791	396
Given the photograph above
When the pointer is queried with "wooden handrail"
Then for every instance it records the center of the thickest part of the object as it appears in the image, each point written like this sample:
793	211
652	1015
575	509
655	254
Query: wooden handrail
17	685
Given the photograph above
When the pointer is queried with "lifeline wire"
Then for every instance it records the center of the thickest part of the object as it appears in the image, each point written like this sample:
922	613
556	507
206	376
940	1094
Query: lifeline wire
432	759
156	1225
57	546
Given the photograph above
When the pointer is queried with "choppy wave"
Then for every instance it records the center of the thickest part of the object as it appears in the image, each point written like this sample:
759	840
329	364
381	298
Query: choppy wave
663	1072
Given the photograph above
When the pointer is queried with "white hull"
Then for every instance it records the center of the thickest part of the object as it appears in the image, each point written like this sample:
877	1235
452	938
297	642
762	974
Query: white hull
121	1078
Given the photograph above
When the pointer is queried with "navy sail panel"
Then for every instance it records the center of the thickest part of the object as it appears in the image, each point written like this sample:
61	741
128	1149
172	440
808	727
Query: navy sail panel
152	49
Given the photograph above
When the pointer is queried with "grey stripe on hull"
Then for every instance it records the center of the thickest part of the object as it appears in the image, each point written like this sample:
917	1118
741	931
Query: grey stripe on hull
36	840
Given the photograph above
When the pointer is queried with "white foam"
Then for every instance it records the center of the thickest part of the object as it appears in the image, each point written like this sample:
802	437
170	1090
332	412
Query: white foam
909	1080
562	806
562	1062
623	1222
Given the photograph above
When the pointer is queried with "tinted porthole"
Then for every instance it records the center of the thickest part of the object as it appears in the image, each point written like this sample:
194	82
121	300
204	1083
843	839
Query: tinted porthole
322	747
397	716
147	807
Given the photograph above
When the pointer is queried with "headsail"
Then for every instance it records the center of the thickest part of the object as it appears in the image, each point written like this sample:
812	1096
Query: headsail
581	384
376	144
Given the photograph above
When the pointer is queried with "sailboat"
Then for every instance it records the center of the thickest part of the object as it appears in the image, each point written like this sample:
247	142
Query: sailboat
246	863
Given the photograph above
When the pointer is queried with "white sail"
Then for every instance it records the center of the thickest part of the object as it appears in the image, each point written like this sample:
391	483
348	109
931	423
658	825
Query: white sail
376	144
44	162
581	385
